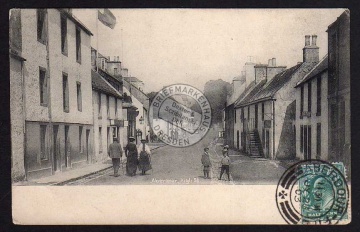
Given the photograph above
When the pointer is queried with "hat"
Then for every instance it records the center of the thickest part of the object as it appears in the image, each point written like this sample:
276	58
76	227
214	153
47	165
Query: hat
131	138
226	146
115	139
206	149
143	140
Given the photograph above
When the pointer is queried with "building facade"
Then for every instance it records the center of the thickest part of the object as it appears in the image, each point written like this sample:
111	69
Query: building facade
266	109
339	90
311	119
56	82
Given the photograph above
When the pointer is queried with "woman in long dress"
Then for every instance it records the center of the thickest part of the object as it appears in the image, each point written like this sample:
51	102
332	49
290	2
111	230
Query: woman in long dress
132	154
145	158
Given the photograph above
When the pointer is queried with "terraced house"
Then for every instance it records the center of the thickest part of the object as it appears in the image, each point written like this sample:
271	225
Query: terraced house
55	80
265	111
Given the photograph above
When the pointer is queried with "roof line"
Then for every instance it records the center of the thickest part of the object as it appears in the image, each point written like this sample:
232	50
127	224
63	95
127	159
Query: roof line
311	77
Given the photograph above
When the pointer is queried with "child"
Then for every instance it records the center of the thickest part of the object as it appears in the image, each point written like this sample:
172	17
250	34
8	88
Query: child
205	160
225	163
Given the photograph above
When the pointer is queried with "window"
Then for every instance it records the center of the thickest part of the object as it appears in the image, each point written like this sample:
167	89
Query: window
301	138
318	97
43	87
41	26
65	93
309	143
248	116
79	99
64	46
305	142
262	111
235	115
99	103
43	147
309	98
80	139
108	105
78	45
242	114
301	101
116	108
318	141
100	140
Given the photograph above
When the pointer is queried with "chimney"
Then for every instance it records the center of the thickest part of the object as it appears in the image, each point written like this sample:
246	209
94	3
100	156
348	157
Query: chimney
307	40
114	58
274	62
310	53
270	62
118	59
313	41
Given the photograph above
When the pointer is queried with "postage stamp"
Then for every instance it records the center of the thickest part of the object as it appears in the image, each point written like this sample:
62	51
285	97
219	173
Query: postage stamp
180	115
313	192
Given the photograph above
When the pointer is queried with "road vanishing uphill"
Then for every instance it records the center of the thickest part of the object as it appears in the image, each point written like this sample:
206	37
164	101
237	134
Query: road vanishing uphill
182	166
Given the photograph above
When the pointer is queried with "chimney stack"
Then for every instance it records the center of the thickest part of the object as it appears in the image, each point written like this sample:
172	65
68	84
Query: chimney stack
274	62
313	41
269	62
307	40
310	53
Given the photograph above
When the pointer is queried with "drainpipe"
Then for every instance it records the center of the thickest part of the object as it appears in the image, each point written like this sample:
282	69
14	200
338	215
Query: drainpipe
48	90
273	106
24	117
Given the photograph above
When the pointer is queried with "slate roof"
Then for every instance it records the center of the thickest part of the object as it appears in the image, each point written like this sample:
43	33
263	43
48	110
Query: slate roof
319	68
268	89
100	84
132	79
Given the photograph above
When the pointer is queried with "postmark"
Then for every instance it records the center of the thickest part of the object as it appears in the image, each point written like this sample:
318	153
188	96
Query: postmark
180	115
313	192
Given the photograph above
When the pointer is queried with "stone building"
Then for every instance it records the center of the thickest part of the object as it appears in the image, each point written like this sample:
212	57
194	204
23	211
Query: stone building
311	119
56	92
266	109
339	90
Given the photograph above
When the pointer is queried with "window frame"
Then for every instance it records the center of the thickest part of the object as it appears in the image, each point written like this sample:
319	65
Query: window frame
301	101
78	44
309	98
81	148
79	96
64	38
43	94
44	33
318	93
108	105
66	97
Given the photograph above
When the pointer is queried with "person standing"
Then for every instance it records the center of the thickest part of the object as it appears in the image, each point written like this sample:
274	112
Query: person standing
205	160
144	157
225	162
131	154
115	152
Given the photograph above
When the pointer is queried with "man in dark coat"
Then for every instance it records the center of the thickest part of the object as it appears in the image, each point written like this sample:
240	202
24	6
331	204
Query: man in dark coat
115	153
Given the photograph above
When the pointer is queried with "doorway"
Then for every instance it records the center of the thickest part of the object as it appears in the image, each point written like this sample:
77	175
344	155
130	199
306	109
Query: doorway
55	148
87	146
267	143
256	116
67	147
237	139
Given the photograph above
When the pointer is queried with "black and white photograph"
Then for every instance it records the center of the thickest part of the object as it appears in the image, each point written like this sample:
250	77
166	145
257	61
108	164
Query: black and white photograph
199	104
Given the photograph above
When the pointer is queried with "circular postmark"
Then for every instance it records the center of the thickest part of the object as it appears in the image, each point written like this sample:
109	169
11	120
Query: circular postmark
313	192
180	115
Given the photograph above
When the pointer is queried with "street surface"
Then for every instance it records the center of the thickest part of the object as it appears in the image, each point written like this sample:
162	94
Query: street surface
173	165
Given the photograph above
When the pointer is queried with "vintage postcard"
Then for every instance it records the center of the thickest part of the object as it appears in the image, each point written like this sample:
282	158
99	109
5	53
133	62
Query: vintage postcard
180	116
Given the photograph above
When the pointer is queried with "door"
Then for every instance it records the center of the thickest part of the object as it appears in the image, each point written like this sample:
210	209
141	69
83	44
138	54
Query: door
87	146
55	148
67	147
267	143
256	116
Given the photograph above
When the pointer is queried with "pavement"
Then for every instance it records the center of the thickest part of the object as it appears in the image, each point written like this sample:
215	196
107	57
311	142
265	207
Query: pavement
65	177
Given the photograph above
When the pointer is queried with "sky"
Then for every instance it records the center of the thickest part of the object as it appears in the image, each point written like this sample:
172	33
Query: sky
192	46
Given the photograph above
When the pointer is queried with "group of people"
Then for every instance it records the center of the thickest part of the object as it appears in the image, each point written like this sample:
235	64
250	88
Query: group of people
225	163
138	157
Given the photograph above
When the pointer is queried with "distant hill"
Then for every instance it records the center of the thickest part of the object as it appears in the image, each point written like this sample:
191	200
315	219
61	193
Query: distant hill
216	91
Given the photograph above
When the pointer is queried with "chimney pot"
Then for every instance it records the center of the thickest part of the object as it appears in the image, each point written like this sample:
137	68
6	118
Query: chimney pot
274	62
313	42
307	40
